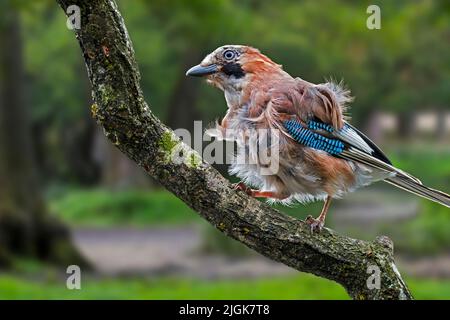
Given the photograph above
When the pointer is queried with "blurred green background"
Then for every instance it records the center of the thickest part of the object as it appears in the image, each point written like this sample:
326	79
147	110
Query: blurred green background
68	197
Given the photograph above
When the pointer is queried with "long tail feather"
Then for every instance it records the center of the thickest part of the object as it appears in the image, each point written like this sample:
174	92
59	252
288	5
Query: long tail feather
419	189
359	156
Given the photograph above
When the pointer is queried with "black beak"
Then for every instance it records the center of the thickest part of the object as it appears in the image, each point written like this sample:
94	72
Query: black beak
199	70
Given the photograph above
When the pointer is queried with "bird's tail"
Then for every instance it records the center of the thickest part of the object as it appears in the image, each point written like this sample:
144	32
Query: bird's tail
415	186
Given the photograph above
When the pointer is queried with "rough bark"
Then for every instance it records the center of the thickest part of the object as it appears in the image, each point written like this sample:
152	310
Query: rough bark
128	122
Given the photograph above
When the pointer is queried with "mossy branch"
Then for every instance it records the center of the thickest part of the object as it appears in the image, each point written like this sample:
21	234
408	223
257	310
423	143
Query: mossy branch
128	122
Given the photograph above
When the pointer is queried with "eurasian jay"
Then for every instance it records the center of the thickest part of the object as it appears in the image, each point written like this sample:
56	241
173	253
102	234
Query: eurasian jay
321	155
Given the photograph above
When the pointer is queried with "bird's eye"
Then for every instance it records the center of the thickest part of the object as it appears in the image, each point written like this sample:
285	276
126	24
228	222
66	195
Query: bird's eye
229	54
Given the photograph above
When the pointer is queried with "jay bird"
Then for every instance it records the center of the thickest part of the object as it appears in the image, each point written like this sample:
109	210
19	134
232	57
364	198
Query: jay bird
321	155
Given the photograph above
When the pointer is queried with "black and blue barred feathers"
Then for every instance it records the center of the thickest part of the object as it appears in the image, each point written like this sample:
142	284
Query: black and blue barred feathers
312	139
314	125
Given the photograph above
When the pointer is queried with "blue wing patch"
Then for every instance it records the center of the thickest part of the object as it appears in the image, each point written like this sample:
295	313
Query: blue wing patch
314	125
312	139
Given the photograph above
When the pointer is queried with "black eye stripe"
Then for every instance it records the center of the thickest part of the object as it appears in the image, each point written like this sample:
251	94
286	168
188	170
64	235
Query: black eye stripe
233	69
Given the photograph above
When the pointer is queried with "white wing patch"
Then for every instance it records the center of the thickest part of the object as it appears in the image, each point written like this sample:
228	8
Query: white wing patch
347	134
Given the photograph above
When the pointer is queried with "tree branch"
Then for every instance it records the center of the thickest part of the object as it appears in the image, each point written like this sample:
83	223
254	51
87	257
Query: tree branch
128	122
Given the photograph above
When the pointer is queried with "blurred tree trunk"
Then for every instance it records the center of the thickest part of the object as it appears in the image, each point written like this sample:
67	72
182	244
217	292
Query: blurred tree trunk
371	125
117	170
182	112
79	138
441	126
25	227
407	124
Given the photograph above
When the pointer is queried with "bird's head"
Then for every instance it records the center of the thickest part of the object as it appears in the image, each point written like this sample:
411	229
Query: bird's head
232	66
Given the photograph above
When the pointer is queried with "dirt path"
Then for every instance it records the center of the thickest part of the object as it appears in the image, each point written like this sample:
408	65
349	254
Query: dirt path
171	251
174	251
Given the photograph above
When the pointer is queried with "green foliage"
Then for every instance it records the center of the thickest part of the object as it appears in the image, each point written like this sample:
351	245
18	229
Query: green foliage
104	208
313	40
402	67
426	234
299	287
215	242
431	162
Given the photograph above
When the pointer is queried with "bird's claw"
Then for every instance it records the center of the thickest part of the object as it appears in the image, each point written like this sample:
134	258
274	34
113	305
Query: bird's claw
240	186
316	225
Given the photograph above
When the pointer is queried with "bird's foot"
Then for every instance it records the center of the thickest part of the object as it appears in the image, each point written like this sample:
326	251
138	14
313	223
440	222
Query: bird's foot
241	186
316	225
257	193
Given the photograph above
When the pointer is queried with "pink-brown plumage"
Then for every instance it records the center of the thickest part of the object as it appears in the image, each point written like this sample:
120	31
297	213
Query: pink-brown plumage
261	95
269	96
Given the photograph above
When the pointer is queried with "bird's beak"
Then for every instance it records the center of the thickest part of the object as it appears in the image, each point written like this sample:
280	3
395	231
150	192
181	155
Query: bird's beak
200	71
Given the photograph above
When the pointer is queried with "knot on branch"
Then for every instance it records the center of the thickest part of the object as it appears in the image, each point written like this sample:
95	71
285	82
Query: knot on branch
386	242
